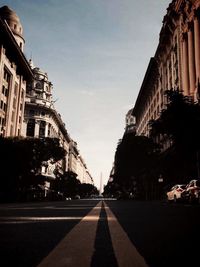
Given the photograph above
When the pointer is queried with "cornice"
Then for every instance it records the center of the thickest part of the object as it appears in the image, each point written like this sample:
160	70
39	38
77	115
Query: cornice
150	77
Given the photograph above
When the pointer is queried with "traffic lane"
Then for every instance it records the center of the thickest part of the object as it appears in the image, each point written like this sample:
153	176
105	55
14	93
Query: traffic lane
104	254
77	247
24	242
164	234
58	208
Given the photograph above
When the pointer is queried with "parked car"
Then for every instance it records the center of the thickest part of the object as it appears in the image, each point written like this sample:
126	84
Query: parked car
174	193
192	191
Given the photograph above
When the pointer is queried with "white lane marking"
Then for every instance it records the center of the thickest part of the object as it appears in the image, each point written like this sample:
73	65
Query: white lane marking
125	252
40	208
77	247
17	219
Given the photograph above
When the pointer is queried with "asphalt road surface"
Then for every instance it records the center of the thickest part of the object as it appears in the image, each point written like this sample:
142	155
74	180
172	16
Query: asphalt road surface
99	233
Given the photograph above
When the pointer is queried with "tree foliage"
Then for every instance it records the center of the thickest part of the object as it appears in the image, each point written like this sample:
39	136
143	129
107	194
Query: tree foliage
135	161
179	126
87	190
22	158
70	186
180	121
177	131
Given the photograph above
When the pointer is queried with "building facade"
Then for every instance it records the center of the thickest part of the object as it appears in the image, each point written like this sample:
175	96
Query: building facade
26	105
130	122
42	120
82	172
175	65
14	73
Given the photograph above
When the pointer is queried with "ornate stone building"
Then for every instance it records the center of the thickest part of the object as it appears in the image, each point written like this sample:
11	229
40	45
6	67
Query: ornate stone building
26	106
176	63
82	172
14	73
41	118
130	122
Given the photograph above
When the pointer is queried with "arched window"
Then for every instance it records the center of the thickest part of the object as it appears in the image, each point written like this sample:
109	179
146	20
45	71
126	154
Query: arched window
38	85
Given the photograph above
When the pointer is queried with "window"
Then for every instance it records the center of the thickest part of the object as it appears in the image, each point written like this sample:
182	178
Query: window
11	130
3	90
49	129
16	88
14	102
30	131
31	112
13	116
6	75
42	129
4	107
38	85
6	92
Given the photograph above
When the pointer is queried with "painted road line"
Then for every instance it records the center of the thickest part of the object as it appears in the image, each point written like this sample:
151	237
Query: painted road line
125	252
77	247
8	220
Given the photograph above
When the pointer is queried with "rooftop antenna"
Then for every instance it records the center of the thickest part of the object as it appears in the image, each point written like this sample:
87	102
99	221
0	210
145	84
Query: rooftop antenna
31	61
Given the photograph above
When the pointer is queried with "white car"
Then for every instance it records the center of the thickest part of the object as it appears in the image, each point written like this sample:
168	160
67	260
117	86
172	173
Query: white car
174	194
192	191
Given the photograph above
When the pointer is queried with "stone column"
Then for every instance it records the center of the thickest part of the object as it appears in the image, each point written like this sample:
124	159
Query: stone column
37	127
46	129
185	65
191	61
197	48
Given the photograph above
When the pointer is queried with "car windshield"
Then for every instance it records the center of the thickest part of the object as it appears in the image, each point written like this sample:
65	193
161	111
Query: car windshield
183	186
198	183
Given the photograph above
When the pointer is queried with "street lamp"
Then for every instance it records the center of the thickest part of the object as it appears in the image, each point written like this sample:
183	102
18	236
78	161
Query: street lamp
160	179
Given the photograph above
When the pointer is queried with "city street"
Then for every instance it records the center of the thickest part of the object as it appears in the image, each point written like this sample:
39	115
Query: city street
107	233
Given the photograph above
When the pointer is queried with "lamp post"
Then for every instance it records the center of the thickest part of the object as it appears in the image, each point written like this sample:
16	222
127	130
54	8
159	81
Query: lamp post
198	169
160	181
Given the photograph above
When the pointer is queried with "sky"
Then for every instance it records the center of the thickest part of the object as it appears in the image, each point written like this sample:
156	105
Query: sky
95	53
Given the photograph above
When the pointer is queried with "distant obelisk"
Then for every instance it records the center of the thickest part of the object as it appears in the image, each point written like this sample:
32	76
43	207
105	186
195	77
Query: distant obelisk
100	190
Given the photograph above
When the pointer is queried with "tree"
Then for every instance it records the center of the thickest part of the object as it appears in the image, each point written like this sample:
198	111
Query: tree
87	190
21	161
69	184
179	127
135	161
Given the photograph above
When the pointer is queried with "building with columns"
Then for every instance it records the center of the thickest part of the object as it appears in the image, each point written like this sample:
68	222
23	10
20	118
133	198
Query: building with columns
14	73
41	118
176	63
82	172
26	105
77	165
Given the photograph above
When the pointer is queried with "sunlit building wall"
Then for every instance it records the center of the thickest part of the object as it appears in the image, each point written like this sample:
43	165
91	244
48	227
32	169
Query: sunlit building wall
14	73
176	63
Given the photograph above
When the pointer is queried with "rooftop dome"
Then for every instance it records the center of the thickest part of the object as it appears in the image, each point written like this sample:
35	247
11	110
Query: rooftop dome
14	23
